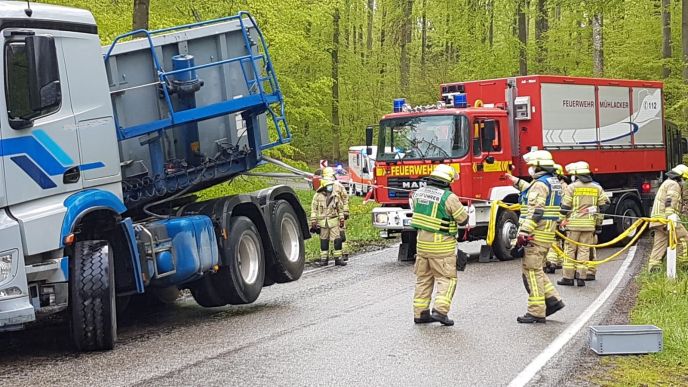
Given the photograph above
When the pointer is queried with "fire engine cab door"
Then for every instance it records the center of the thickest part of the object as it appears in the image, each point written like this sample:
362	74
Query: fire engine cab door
40	148
491	156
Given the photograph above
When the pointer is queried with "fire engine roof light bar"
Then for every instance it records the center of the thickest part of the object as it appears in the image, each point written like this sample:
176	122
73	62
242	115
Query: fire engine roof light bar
399	105
460	101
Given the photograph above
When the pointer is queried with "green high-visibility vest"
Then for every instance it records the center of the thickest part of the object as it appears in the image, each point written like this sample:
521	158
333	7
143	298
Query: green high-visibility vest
430	213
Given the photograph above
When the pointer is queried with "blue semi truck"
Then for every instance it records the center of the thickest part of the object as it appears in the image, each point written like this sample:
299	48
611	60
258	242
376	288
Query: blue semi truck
102	150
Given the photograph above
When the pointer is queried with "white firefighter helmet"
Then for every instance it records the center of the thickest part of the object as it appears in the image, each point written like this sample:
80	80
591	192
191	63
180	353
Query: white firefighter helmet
445	173
539	158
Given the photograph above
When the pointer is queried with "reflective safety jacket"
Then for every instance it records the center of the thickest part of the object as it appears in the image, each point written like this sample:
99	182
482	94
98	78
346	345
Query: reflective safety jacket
437	213
540	210
667	201
326	209
340	191
581	205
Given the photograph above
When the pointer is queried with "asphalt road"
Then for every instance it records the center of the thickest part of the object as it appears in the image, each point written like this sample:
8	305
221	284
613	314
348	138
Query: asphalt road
335	326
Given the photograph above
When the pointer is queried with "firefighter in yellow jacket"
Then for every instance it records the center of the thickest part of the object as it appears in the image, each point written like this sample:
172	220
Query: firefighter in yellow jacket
339	190
437	213
554	261
539	217
327	216
667	205
581	205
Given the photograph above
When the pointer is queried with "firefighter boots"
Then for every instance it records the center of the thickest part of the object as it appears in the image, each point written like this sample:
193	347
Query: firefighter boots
442	318
553	306
340	262
529	319
424	318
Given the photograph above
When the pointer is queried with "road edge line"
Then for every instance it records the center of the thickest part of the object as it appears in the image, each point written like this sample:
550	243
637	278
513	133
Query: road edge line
532	369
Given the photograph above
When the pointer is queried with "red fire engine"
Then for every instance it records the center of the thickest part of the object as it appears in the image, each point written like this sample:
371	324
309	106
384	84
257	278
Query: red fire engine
482	128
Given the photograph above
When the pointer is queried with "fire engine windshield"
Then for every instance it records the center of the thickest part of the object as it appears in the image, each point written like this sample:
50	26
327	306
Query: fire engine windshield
425	137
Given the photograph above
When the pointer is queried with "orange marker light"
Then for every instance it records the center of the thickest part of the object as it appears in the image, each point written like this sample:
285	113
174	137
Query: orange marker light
69	239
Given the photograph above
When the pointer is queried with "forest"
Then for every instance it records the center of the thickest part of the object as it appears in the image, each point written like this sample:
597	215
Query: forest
340	63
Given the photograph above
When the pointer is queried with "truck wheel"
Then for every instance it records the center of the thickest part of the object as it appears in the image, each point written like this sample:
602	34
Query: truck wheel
505	230
92	297
241	275
287	242
630	211
407	249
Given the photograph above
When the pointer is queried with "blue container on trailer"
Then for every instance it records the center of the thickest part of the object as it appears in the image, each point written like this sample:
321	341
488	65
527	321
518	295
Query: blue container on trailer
399	104
460	101
180	62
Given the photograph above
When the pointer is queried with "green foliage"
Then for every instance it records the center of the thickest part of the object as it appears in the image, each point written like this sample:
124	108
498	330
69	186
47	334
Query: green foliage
464	40
664	303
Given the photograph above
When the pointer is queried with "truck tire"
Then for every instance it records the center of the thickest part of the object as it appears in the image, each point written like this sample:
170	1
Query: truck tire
287	242
629	209
407	248
505	231
93	311
242	273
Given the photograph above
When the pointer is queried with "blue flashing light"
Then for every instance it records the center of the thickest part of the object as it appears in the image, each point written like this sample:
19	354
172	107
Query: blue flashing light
399	104
460	101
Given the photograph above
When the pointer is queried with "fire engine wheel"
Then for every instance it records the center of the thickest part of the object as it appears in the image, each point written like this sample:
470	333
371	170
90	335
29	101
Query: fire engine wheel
242	273
505	231
287	241
93	311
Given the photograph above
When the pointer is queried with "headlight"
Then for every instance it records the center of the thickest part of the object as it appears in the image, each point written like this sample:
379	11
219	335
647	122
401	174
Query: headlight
5	266
10	292
381	218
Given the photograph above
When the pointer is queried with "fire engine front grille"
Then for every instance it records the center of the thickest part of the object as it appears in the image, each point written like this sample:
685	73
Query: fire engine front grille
404	185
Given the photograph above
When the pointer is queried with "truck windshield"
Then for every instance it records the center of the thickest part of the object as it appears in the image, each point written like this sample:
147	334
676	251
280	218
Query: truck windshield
425	137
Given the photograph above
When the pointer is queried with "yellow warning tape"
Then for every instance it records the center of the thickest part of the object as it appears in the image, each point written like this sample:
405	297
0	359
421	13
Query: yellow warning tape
641	223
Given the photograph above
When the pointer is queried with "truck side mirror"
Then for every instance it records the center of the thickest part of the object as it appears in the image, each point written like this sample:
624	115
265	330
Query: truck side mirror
369	140
33	86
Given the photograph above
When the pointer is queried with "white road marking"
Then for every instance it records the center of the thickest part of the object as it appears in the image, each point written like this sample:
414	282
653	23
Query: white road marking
572	330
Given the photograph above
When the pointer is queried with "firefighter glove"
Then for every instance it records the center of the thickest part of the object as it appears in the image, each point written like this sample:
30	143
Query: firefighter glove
523	240
341	222
346	215
598	230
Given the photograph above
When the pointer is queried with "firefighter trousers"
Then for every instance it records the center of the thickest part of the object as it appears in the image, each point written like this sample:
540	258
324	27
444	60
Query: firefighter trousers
540	290
552	256
578	252
328	235
438	273
661	242
592	270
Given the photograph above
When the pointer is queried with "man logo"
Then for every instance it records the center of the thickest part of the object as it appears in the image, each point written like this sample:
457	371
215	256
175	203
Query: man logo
413	184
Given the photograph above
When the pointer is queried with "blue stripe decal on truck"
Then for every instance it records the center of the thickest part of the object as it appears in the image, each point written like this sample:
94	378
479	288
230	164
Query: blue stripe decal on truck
35	173
40	157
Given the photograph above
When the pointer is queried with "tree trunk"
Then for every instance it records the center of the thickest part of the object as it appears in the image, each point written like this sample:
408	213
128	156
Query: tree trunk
597	44
490	31
423	36
541	27
369	32
666	37
141	12
382	40
684	38
335	86
522	38
404	59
